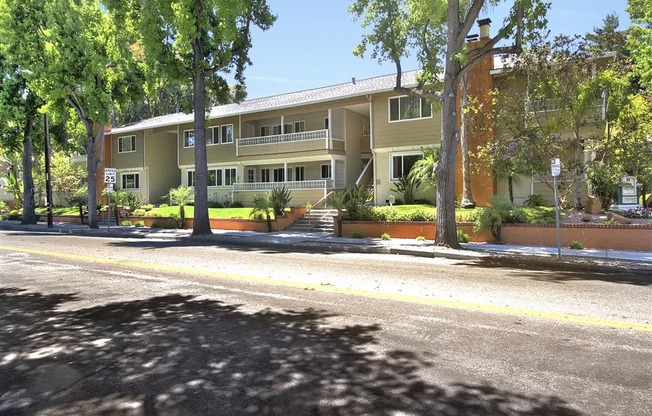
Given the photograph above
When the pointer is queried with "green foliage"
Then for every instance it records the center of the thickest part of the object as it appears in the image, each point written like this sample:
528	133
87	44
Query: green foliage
603	182
133	201
127	223
4	208
501	211
263	207
385	236
420	238
139	212
155	224
462	237
576	245
357	234
142	224
236	204
356	199
163	206
424	168
639	39
279	198
407	186
181	196
147	207
535	200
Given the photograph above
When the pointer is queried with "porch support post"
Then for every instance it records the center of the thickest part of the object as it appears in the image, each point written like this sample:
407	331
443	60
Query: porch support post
282	124
285	171
329	136
333	171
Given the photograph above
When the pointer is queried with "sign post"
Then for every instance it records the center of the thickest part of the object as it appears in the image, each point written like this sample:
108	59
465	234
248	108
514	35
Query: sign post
109	179
555	170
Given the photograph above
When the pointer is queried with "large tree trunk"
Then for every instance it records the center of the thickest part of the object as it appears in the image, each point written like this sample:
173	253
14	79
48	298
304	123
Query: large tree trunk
29	217
467	195
201	224
579	171
92	163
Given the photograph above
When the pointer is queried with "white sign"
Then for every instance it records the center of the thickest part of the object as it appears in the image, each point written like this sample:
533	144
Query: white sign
555	167
110	175
109	188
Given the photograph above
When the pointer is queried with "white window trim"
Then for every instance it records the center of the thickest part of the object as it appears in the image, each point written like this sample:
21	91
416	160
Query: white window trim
221	138
294	172
391	162
133	140
213	141
266	127
122	181
294	126
389	111
321	171
183	138
223	170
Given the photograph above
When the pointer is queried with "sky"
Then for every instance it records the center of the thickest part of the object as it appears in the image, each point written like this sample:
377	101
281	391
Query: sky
311	44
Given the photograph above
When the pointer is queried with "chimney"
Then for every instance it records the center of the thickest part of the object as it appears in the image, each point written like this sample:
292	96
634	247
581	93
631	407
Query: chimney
353	80
485	25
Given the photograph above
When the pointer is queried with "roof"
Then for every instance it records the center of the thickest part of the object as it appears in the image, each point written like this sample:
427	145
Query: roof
354	88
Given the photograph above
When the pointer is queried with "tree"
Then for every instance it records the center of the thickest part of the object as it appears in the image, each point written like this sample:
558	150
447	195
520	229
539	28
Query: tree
202	41
76	55
18	110
639	39
436	30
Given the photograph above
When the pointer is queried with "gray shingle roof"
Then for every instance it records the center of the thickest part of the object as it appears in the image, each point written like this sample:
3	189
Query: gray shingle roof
322	94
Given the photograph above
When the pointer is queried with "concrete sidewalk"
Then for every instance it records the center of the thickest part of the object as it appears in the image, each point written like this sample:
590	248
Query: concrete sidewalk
331	243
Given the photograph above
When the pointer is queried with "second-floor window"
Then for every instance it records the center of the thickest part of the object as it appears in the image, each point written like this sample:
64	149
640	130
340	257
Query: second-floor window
189	138
299	126
408	108
220	134
126	144
264	130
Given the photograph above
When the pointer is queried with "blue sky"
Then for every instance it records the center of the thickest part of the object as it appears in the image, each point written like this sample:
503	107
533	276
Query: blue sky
311	43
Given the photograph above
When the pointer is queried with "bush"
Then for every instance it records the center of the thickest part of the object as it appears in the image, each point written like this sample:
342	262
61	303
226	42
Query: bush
133	201
237	204
355	202
385	236
536	200
127	223
4	208
142	224
147	207
279	198
517	216
576	245
603	180
420	238
215	204
493	217
139	212
163	206
586	218
155	224
422	216
357	234
462	237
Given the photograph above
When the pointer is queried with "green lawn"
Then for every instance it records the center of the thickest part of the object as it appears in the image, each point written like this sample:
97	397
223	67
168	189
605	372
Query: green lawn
59	210
534	214
212	212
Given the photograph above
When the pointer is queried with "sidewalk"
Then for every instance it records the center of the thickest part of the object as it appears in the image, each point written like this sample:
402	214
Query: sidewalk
344	244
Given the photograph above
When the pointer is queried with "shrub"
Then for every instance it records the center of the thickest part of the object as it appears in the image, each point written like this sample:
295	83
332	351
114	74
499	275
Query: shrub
586	218
139	212
576	245
215	204
355	201
602	179
385	236
462	237
357	234
147	207
155	224
420	215
14	212
4	208
237	204
127	223
609	222
493	217
536	200
133	201
163	206
142	224
517	216
279	198
407	187
420	238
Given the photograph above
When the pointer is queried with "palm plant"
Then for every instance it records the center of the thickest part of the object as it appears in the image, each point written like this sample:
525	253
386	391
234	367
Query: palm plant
182	196
263	206
80	198
279	198
424	168
493	217
407	187
338	201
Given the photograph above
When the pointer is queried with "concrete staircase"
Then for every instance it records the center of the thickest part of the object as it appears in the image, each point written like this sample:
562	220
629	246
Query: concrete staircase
315	221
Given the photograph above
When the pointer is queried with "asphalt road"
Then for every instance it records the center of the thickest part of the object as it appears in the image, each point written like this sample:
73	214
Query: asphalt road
139	327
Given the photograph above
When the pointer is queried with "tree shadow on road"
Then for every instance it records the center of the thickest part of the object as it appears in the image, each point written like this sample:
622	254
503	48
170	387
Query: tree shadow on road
180	355
549	271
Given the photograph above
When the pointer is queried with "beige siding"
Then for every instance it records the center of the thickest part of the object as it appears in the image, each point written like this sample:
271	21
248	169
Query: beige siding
299	197
128	159
161	158
384	185
354	125
420	132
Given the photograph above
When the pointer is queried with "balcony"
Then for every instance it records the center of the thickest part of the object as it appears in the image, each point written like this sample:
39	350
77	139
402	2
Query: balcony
288	143
293	185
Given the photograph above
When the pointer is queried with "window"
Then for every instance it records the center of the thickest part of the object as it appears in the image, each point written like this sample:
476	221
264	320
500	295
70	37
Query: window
212	135
126	144
264	175
401	165
212	177
299	173
299	126
130	181
191	178
326	123
264	130
226	134
188	138
277	129
408	108
279	175
287	129
229	176
251	175
326	171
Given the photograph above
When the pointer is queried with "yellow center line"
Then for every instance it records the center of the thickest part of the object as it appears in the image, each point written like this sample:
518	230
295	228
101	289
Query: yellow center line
502	310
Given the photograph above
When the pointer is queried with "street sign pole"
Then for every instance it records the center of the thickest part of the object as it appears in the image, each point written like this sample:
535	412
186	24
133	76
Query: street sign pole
108	224
109	179
555	170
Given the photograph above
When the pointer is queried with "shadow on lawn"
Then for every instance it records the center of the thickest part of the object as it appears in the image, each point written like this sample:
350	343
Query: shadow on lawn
177	355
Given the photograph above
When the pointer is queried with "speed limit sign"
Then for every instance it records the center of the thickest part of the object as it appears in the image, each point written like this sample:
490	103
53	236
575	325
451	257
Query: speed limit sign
110	175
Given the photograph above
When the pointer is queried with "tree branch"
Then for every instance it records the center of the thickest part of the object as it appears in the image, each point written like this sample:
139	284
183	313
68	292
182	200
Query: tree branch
469	21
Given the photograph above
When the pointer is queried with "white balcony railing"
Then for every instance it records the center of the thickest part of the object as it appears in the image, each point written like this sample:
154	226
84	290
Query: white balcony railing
284	138
294	185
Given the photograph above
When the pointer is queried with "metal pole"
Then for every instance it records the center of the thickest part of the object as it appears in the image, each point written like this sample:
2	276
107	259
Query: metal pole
48	183
554	178
108	224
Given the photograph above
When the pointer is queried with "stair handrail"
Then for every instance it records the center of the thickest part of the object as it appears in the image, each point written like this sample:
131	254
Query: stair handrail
321	201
